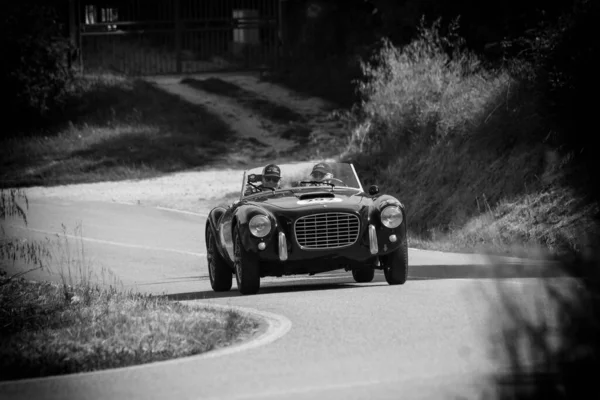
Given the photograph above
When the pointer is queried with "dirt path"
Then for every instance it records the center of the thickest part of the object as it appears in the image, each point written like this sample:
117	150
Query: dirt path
273	124
246	123
272	120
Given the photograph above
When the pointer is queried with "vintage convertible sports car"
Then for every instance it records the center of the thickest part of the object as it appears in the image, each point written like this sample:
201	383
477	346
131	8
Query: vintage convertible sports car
305	226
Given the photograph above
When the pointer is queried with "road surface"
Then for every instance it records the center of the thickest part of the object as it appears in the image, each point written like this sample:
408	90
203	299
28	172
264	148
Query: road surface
429	338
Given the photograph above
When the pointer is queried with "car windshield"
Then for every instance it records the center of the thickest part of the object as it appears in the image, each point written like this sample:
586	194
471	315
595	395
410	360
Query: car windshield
299	176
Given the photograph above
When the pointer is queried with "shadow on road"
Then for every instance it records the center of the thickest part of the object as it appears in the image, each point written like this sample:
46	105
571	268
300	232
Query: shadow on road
497	271
343	280
264	290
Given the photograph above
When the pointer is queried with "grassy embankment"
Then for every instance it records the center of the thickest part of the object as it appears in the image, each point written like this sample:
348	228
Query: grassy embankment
463	145
86	320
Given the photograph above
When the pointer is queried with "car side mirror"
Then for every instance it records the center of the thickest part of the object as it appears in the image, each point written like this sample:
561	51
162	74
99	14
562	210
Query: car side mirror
373	190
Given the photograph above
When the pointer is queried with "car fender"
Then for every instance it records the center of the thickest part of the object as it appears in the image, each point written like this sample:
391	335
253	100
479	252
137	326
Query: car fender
379	204
383	233
213	217
241	220
213	222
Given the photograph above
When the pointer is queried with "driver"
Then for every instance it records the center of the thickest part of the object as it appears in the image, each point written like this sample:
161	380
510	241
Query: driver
271	178
321	172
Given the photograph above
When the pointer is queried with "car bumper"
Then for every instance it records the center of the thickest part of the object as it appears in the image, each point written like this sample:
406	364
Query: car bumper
372	242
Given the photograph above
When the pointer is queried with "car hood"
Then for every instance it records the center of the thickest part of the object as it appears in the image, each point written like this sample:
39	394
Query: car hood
312	199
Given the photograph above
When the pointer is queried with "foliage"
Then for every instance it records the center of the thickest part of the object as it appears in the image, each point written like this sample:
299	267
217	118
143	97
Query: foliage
424	91
35	77
33	253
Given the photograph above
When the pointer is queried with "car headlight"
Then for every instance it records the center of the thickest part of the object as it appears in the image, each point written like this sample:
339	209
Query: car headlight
391	216
260	226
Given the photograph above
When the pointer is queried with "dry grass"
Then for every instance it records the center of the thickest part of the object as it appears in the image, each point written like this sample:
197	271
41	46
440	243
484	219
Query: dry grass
45	332
462	146
86	320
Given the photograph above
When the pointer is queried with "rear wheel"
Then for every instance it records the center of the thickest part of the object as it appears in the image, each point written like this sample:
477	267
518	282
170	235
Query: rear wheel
247	271
363	275
221	277
395	265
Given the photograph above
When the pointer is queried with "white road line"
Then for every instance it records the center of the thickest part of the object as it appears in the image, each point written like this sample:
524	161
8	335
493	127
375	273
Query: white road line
182	212
277	327
128	203
135	246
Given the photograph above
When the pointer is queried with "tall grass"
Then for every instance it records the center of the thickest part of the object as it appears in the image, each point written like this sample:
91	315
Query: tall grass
461	143
13	206
423	92
85	320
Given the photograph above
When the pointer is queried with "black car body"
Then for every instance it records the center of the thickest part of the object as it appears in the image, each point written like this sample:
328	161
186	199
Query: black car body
306	228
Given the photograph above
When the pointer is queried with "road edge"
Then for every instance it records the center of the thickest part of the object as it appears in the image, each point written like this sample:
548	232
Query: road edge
277	327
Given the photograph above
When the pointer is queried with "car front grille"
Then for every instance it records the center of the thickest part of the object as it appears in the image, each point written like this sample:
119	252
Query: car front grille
327	230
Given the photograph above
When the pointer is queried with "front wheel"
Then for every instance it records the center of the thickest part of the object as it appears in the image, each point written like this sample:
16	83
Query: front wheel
219	273
247	267
395	265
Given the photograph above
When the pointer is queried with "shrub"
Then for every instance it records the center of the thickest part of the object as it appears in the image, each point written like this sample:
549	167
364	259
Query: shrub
424	91
472	130
35	76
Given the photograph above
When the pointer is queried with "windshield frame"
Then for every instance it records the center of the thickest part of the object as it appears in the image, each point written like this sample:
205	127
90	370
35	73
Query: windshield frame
358	189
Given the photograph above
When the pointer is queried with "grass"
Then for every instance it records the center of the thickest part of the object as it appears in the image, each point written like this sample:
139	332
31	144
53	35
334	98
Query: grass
266	108
85	320
45	333
116	128
462	146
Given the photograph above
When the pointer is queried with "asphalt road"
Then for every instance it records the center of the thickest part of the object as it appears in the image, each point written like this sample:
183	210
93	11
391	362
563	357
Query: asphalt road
429	338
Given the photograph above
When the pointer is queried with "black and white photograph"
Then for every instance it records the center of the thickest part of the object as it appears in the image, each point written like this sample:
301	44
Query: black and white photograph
299	199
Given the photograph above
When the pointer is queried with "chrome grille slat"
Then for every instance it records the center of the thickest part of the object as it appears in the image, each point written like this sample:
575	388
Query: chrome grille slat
327	230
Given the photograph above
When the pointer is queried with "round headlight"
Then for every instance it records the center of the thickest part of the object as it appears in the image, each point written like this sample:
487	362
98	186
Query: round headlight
391	216
260	226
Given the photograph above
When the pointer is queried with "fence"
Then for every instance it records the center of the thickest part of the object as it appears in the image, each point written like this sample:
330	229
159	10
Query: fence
144	37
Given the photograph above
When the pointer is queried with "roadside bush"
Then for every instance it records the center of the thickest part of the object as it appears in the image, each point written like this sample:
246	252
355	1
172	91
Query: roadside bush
457	140
35	76
423	92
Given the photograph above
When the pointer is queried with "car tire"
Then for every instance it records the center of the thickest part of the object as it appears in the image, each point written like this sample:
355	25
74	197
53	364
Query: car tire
247	268
395	265
363	275
219	273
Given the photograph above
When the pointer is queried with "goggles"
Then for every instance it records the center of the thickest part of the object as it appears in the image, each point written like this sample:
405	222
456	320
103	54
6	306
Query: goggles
273	179
318	175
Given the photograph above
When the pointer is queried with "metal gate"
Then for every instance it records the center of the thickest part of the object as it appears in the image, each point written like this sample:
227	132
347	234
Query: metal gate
147	37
